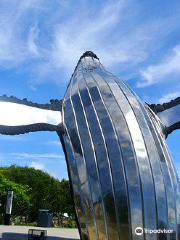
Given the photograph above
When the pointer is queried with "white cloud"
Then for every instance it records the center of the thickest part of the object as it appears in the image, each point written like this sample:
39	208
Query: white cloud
99	34
37	156
33	88
12	138
52	45
37	165
12	48
168	97
31	42
32	156
161	71
52	163
75	36
53	143
58	51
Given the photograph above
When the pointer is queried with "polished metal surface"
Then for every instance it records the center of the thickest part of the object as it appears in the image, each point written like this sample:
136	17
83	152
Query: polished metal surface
170	116
22	116
26	115
121	172
122	167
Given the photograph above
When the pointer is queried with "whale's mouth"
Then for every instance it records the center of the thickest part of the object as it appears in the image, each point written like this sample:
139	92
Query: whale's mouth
89	54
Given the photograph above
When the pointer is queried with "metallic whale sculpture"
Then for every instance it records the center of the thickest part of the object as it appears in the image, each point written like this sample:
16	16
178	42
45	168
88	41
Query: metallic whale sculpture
121	172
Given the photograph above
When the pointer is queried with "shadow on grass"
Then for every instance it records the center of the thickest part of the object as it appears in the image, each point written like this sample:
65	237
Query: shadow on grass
21	236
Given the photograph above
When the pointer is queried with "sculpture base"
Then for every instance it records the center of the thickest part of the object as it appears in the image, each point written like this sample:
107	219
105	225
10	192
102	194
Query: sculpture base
7	219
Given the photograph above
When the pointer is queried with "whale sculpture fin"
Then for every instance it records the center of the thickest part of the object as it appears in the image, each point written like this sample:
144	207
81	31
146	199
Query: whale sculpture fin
22	116
169	114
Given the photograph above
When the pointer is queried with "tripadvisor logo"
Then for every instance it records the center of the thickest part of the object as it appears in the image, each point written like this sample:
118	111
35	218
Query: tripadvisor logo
138	231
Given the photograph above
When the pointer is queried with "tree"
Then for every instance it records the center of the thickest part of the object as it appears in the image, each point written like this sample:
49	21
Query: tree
62	203
21	198
45	191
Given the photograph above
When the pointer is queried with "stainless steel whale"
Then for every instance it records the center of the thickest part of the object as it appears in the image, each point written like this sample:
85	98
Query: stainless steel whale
121	172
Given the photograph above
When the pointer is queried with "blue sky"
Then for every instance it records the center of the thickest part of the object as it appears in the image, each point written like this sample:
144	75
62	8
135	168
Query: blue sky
41	42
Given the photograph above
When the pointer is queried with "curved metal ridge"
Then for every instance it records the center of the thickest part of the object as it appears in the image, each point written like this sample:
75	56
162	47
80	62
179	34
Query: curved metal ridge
162	107
54	105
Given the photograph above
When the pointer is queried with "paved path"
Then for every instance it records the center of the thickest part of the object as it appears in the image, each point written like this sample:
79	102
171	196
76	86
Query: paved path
20	233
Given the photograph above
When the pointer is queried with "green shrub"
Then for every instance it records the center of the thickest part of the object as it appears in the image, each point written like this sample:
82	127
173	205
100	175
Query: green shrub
19	223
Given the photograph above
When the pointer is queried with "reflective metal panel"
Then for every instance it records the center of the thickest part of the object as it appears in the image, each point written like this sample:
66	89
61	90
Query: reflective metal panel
26	115
170	116
20	118
126	176
89	87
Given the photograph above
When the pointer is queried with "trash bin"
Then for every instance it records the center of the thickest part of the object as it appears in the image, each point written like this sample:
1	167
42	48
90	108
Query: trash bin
34	234
44	218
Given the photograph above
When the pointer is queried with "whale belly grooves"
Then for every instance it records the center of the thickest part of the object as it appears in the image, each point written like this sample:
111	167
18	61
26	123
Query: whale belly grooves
121	172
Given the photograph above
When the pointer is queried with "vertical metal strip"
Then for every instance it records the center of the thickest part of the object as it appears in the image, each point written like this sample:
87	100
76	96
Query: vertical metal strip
114	153
124	141
92	229
95	159
106	165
